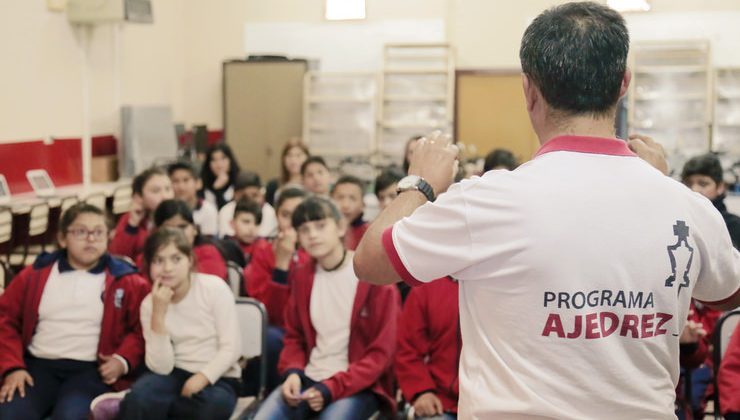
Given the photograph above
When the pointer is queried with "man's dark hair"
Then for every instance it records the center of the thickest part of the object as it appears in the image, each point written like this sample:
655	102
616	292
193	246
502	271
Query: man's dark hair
500	158
137	186
246	205
182	166
71	214
247	179
576	55
350	179
311	160
315	208
707	165
387	178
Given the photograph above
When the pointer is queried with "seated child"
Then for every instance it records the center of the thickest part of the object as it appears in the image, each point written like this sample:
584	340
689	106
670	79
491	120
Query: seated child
248	186
348	194
340	335
703	174
386	186
266	277
69	324
150	188
246	224
729	378
429	347
316	176
192	337
185	186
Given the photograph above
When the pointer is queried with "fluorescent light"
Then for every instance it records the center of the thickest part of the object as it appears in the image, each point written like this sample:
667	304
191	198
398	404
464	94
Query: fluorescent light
629	5
345	9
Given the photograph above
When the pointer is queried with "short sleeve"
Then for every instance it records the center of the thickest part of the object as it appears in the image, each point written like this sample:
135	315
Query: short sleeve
719	277
432	242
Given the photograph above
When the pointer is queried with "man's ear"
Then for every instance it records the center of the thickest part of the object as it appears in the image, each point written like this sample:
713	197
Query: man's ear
531	94
625	82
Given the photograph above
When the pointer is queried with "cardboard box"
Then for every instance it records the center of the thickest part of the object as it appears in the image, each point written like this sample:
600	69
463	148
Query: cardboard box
104	169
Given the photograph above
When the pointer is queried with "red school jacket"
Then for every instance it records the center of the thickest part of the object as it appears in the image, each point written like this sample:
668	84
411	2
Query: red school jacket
269	285
129	241
120	331
728	379
429	343
258	245
355	231
372	339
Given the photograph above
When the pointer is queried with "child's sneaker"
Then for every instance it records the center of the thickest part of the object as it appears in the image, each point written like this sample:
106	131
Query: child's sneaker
106	406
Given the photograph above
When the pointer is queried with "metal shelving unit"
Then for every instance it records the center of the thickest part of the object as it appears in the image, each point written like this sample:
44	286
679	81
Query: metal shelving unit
726	139
417	94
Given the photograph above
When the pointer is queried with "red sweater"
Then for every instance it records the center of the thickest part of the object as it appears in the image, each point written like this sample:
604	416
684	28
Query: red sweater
372	339
120	331
693	356
258	245
729	376
354	234
429	343
208	260
269	285
129	241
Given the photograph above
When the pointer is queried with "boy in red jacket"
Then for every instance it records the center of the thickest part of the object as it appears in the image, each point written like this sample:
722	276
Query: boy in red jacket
348	193
246	225
69	324
729	378
150	188
429	347
340	334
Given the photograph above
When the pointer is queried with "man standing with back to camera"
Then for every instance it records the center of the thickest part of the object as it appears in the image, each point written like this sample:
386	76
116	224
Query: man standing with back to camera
576	269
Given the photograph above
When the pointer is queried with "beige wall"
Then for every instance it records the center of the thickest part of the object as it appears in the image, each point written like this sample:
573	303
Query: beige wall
177	60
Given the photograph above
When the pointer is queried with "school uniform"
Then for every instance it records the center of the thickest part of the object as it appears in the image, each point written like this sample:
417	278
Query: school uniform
728	379
202	337
128	241
342	350
208	260
429	343
54	321
355	231
205	216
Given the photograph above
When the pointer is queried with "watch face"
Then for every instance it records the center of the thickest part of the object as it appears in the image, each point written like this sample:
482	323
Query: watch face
409	181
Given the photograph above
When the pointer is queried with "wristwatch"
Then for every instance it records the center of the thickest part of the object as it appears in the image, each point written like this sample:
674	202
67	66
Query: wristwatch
415	182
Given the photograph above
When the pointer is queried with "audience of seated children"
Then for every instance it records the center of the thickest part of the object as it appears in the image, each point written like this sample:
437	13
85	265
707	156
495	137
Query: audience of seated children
340	335
728	378
150	188
316	176
69	324
386	186
192	337
266	278
218	174
348	193
429	345
500	159
292	157
185	186
248	185
703	174
208	257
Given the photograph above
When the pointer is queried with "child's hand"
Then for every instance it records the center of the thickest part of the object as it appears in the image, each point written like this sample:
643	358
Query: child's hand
284	248
428	405
137	211
314	399
194	385
15	381
221	181
161	298
292	389
110	369
692	333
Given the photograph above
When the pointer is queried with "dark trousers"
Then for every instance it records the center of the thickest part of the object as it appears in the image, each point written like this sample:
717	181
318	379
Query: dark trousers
62	388
158	397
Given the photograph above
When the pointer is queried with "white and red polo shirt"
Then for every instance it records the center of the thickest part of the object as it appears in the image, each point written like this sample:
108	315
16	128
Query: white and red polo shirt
576	271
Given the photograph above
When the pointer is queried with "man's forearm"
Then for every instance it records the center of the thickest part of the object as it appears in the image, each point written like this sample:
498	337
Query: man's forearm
370	261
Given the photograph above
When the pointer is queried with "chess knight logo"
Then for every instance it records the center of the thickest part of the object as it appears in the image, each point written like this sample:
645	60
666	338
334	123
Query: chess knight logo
681	255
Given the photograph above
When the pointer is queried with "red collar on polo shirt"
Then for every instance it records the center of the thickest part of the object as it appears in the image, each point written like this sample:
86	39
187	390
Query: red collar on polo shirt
586	144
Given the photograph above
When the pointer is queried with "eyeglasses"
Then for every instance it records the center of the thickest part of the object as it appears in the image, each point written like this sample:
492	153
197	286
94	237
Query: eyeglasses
82	233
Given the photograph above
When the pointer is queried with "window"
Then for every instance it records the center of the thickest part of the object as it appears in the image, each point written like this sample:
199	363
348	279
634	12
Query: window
345	9
629	5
